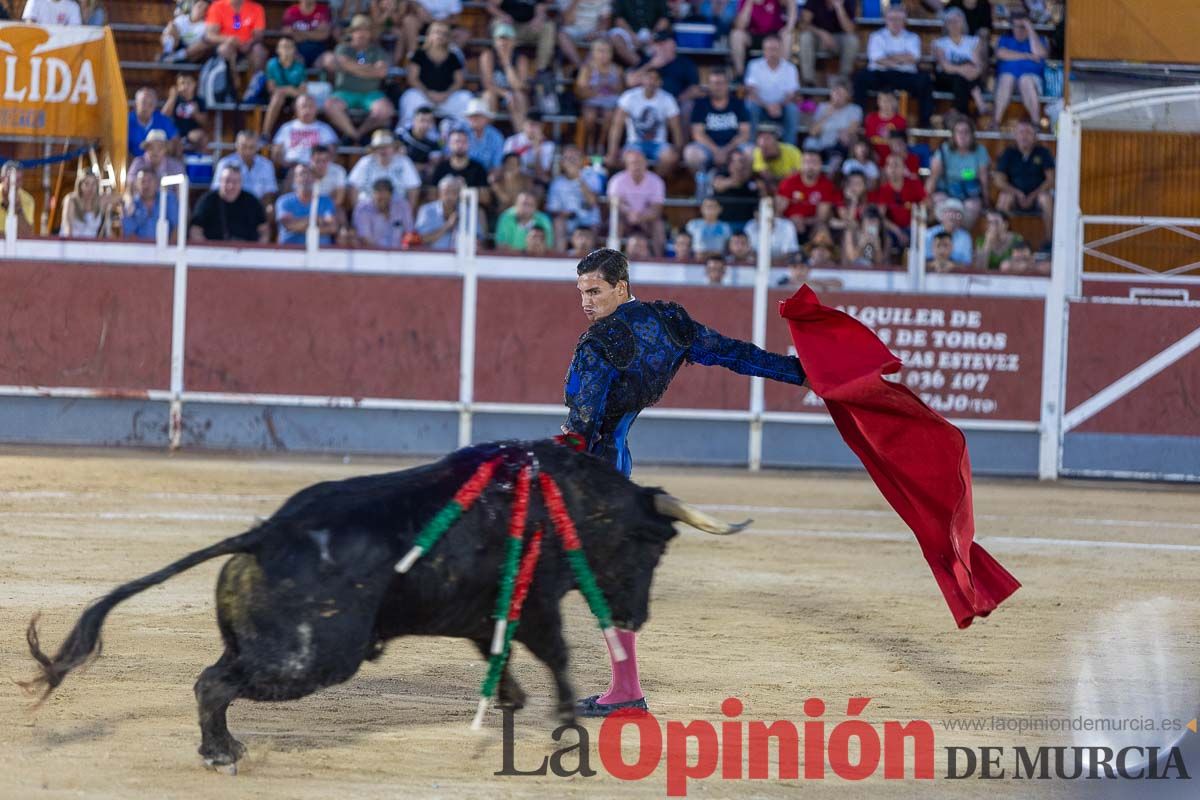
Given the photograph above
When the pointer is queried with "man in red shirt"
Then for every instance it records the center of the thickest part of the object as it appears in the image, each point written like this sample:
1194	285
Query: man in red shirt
808	196
896	197
236	27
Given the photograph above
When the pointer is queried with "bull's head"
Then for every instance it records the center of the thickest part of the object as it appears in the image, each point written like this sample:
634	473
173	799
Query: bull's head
628	575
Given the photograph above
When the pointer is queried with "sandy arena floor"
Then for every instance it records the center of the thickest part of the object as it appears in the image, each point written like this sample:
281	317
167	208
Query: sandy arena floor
827	596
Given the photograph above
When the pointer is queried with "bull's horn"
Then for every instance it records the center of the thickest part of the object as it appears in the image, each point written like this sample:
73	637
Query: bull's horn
675	508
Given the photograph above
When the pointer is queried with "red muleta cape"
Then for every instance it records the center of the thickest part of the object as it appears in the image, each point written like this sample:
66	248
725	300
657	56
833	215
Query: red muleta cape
917	459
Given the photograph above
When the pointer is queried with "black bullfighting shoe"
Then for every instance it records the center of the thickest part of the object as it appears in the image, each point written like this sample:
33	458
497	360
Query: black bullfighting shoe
591	707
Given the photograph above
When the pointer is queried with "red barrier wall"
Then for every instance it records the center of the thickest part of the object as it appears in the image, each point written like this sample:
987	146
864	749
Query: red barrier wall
102	326
967	357
1107	341
292	332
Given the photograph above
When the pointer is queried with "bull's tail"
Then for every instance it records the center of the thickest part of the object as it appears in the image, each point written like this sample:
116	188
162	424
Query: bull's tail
83	643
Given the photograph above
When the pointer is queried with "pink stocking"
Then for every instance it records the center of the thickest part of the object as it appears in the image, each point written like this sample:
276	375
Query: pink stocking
625	685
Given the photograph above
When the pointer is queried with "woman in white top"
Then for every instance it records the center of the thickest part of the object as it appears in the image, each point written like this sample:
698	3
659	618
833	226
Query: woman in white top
959	64
85	212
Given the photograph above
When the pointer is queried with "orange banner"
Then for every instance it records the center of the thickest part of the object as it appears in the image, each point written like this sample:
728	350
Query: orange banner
63	82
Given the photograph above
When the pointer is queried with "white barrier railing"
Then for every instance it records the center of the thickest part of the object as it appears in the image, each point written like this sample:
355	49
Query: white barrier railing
178	296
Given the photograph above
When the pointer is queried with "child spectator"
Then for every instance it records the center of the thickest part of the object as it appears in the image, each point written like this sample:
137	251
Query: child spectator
709	234
783	237
716	271
941	247
681	248
286	76
896	198
533	148
997	243
741	252
583	241
186	110
881	123
736	189
863	243
862	161
898	145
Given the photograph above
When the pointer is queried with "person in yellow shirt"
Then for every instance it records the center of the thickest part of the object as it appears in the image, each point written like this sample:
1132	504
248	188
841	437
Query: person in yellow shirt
774	160
10	174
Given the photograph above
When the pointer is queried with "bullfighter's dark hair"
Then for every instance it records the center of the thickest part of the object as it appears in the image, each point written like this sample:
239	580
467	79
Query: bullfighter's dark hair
611	264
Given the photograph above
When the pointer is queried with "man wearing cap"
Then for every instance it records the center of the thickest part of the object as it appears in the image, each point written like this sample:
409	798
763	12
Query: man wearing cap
361	67
950	218
486	142
154	155
385	162
437	221
382	217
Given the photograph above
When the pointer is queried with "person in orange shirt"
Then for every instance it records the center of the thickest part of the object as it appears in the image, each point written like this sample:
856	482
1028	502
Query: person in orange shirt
236	27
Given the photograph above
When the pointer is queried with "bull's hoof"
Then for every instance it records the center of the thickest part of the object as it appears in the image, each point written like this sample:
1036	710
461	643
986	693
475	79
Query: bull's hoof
511	697
224	760
224	769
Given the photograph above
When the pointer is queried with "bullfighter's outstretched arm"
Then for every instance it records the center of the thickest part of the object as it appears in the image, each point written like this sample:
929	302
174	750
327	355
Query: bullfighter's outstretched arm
588	383
711	348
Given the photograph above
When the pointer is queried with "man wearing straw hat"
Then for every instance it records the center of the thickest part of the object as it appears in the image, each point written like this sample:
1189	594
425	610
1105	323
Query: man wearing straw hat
623	363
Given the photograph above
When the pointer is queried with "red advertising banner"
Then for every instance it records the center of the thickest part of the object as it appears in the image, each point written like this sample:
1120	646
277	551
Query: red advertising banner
966	357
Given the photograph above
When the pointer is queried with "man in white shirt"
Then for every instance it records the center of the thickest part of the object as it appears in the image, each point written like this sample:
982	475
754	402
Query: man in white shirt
295	140
772	87
53	12
258	174
384	162
645	114
893	53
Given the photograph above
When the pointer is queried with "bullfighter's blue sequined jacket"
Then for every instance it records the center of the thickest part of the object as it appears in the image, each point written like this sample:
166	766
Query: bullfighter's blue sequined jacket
625	361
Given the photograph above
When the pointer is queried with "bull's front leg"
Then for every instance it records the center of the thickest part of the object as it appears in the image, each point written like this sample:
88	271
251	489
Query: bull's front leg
509	694
541	632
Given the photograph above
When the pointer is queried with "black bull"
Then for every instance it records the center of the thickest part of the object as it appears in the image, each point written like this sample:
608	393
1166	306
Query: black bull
312	591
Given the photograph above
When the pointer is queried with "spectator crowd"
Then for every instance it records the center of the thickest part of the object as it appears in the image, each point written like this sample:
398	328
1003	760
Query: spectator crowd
373	117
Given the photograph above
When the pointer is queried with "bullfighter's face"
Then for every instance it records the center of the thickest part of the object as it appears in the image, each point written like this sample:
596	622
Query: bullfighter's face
600	298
